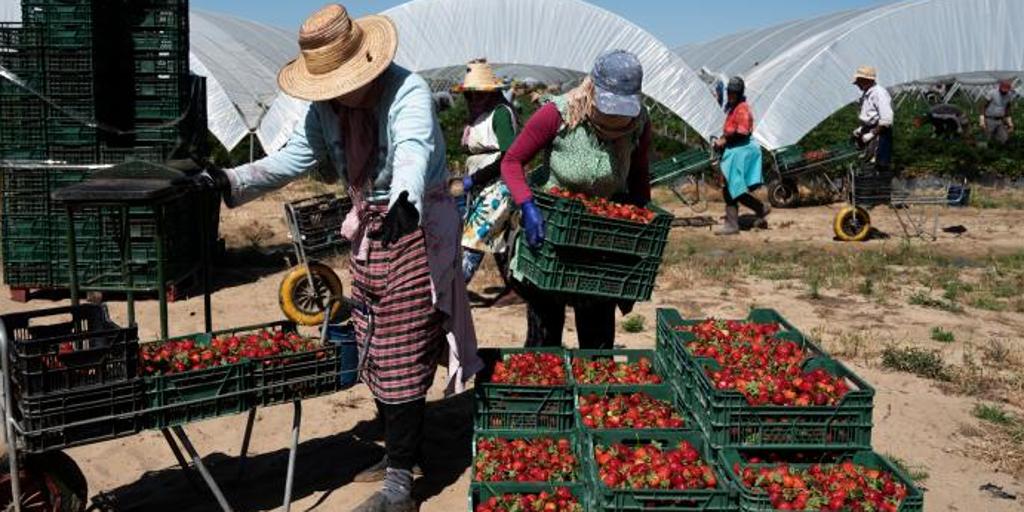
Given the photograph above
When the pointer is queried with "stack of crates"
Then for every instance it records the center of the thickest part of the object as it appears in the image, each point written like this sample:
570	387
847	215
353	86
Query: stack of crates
115	78
591	255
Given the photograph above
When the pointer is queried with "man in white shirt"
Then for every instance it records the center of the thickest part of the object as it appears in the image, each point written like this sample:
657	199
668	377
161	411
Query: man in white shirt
995	119
876	116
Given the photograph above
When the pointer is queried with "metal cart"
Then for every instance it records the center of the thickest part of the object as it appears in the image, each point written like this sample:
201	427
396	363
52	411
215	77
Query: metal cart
47	476
686	176
825	169
314	226
916	208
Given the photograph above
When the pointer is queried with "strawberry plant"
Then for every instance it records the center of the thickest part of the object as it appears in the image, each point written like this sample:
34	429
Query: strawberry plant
650	466
604	208
634	410
826	487
530	369
561	500
608	371
543	459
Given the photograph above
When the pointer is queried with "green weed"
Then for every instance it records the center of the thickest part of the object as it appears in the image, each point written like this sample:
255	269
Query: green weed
923	363
992	414
916	473
634	323
942	336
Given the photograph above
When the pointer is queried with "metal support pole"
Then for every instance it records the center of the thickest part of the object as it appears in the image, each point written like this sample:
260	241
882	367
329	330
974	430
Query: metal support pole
161	277
181	460
8	414
296	425
204	234
198	462
244	456
252	147
126	260
72	257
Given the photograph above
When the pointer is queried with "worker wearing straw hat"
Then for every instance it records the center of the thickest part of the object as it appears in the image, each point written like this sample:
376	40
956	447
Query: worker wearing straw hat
489	132
373	122
876	118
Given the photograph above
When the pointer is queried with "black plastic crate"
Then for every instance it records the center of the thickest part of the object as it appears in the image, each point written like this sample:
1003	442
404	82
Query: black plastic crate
162	39
160	62
156	154
319	219
70	132
70	61
85	154
39	12
69	348
62	420
18	36
67	35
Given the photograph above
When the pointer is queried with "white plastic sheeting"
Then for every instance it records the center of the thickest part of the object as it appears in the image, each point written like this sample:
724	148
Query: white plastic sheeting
240	60
739	53
560	34
907	41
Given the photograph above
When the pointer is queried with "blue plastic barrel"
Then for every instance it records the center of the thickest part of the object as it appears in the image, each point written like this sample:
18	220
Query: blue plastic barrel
344	335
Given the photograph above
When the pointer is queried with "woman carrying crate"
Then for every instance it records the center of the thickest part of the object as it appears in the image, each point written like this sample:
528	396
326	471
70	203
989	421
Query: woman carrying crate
741	161
596	139
489	132
373	122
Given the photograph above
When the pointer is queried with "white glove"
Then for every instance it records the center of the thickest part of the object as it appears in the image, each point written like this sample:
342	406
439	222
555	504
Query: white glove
867	137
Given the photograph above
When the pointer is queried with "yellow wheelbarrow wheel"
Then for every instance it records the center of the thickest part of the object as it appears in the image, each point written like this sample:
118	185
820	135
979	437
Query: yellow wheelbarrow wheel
303	304
852	224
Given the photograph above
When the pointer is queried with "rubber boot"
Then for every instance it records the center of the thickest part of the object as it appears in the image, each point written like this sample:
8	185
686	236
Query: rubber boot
732	222
762	218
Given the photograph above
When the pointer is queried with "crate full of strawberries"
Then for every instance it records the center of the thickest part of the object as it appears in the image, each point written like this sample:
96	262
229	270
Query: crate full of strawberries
630	408
616	367
577	221
524	389
659	471
528	497
760	383
520	457
836	481
206	375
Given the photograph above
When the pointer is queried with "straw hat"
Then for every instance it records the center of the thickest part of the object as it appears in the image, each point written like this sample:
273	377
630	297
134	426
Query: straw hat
480	77
865	72
339	55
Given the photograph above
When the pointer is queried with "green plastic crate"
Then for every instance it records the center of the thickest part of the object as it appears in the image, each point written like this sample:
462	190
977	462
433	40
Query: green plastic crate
620	356
692	161
163	39
728	420
572	273
662	392
34	12
671	342
67	35
721	499
575	439
182	398
160	63
503	406
751	500
570	225
481	492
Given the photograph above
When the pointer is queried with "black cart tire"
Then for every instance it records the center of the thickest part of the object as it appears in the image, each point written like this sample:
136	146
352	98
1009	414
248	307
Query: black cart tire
783	194
852	224
297	299
50	482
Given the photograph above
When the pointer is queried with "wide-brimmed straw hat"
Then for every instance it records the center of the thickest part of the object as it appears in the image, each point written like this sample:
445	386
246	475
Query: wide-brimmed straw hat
480	77
865	72
339	54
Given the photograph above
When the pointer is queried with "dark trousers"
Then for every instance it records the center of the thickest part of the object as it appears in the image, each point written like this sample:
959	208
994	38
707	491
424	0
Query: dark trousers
883	155
545	319
403	431
746	200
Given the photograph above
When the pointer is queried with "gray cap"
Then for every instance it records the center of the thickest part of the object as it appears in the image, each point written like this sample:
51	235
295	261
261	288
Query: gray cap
618	79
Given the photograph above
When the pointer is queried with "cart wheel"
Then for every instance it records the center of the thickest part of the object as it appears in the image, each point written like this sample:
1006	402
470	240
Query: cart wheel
783	194
852	224
302	304
50	482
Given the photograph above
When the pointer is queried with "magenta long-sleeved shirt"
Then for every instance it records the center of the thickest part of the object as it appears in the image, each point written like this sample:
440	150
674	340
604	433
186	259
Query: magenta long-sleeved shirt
538	133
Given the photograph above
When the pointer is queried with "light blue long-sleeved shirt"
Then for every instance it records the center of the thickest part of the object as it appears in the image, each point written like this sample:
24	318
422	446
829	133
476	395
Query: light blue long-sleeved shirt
411	152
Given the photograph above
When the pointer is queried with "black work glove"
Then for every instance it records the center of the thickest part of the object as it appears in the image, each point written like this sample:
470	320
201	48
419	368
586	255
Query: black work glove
402	219
201	175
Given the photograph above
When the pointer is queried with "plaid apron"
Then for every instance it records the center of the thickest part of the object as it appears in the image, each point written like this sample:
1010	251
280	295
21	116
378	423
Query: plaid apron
406	339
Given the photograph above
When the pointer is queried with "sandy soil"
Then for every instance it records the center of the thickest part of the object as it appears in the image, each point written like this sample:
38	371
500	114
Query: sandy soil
914	420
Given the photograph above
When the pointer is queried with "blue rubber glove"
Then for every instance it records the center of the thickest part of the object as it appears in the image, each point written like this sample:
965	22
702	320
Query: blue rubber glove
467	183
533	221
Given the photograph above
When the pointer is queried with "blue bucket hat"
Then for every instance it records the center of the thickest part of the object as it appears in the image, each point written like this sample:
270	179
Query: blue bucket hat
618	78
